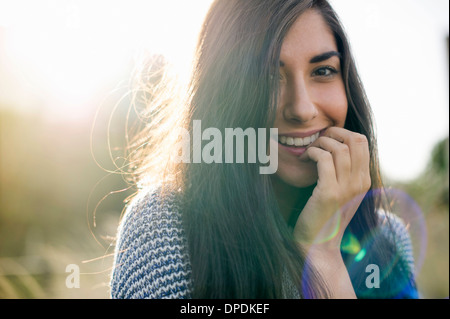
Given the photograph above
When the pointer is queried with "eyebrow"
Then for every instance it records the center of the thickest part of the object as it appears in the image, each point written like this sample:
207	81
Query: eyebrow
320	58
324	56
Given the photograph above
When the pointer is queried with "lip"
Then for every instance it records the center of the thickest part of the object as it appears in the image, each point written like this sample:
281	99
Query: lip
295	150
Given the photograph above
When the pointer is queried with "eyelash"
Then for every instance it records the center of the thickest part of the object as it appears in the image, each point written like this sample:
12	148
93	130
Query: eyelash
331	69
327	68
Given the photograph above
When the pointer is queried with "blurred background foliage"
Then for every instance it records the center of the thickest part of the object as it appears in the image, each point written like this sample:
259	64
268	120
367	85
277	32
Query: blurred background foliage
431	193
47	221
59	202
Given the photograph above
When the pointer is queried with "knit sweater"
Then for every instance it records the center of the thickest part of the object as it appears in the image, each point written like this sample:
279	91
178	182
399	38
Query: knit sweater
152	260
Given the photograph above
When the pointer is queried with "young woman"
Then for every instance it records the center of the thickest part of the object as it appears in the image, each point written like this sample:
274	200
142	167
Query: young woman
314	229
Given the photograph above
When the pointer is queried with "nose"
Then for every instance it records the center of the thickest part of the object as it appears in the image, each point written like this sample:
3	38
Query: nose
299	106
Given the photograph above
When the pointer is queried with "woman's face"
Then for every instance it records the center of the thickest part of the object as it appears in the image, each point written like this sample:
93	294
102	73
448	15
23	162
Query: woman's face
311	97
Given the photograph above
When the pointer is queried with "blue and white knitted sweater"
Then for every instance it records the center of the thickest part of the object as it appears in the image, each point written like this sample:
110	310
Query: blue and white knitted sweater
152	260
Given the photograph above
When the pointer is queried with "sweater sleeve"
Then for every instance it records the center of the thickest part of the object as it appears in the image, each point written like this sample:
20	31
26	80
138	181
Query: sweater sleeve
397	233
151	259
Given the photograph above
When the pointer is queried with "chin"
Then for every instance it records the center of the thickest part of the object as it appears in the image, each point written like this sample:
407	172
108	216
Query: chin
300	176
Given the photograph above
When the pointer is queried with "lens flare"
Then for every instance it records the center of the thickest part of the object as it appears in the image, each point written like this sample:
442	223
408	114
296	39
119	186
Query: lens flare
397	245
360	255
350	244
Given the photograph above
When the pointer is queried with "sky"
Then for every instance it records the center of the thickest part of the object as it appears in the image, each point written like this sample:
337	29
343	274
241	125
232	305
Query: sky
55	55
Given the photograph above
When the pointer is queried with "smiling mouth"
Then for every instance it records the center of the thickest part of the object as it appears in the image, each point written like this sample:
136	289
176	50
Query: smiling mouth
298	141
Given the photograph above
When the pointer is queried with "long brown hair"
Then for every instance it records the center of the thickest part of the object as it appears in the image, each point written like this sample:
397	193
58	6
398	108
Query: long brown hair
239	245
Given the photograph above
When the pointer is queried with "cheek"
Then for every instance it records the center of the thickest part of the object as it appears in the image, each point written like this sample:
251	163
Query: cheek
335	105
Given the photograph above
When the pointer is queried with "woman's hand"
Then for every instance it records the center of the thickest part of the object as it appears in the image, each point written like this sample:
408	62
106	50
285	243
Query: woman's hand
343	167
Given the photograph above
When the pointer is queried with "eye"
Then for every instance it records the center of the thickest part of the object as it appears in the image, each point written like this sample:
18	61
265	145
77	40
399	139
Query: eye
280	76
325	71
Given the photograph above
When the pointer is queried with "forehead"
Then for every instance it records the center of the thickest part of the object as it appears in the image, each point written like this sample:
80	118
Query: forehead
309	36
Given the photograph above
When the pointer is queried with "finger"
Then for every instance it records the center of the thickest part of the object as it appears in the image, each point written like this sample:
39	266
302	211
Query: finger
361	151
358	146
325	164
341	156
340	134
361	164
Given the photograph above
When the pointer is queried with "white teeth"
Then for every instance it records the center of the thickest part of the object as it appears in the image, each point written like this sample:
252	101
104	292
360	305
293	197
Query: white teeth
298	141
290	141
